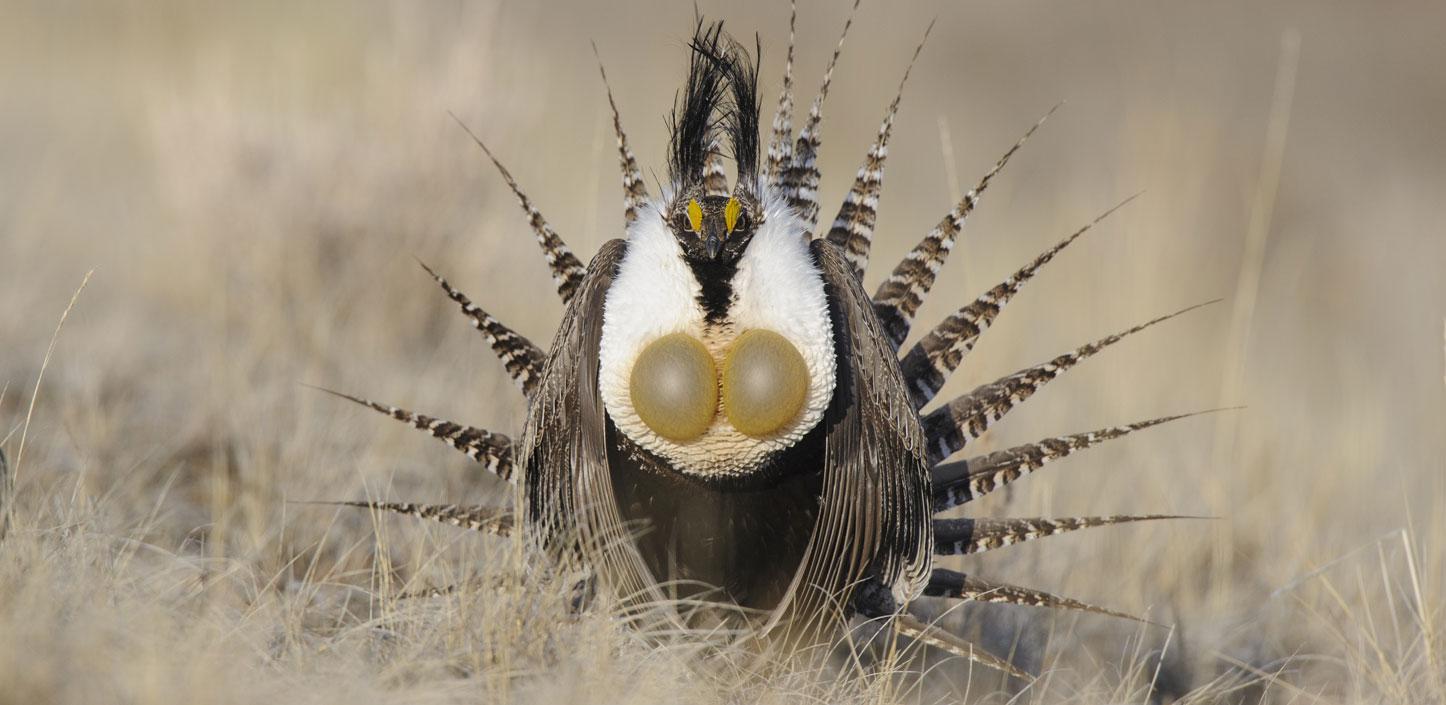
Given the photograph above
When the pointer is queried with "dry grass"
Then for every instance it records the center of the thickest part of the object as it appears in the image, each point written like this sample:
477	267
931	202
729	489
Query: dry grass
249	183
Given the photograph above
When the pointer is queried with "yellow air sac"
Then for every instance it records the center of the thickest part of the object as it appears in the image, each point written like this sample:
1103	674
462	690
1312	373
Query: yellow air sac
674	387
765	382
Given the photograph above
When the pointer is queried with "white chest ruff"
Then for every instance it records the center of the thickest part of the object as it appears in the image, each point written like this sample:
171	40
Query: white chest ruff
777	287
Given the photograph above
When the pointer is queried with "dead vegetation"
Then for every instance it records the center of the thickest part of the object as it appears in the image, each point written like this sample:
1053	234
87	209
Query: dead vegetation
250	185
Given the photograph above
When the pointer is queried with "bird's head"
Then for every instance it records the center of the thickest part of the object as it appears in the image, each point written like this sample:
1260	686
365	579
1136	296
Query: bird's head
719	103
713	229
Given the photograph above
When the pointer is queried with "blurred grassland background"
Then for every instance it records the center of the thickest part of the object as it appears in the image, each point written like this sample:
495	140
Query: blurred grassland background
251	181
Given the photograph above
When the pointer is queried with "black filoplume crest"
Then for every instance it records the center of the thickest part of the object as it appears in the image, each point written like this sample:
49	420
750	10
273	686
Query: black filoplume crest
721	93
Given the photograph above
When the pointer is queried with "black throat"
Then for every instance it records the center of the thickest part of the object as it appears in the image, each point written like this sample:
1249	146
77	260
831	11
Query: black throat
716	279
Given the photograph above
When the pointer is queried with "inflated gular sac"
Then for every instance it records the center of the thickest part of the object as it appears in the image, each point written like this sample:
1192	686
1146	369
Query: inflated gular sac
674	387
765	382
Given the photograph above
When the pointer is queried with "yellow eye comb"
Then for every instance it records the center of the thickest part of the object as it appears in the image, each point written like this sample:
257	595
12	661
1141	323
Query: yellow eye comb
695	216
731	212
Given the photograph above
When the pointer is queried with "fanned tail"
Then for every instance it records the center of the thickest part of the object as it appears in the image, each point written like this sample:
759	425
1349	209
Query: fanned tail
635	191
928	364
898	298
493	450
853	227
800	178
953	537
964	481
519	355
567	270
949	427
955	585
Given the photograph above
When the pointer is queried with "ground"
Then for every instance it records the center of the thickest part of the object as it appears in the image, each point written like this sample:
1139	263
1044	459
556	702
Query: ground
250	184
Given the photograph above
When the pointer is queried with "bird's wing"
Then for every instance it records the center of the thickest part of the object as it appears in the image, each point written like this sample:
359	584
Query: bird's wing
569	498
874	518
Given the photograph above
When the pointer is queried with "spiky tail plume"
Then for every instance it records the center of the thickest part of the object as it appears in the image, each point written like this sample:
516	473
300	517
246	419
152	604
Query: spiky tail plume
898	298
715	176
949	427
964	481
567	270
853	227
522	359
909	626
635	191
967	536
928	364
780	146
800	178
958	586
493	450
487	520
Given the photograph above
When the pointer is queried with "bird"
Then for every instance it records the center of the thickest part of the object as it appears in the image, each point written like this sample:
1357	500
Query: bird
725	415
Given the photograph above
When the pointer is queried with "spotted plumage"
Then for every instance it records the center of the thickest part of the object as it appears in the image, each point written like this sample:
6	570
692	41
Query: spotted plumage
673	464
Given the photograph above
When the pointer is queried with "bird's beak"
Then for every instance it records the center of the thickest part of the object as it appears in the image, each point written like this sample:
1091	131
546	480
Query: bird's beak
713	237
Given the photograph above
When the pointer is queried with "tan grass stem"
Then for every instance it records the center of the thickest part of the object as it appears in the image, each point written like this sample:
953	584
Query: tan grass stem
35	393
1247	290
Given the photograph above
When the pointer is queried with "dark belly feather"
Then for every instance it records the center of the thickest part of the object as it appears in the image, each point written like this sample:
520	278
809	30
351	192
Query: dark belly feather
743	537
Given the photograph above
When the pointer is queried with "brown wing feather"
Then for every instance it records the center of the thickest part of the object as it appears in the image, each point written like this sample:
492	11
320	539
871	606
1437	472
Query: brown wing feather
874	518
569	504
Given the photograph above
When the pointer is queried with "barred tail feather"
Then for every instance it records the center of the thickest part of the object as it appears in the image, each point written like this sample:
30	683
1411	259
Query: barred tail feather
909	626
715	176
928	364
780	146
953	537
853	227
567	270
950	427
800	179
488	520
964	481
519	355
493	450
635	191
955	585
898	298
